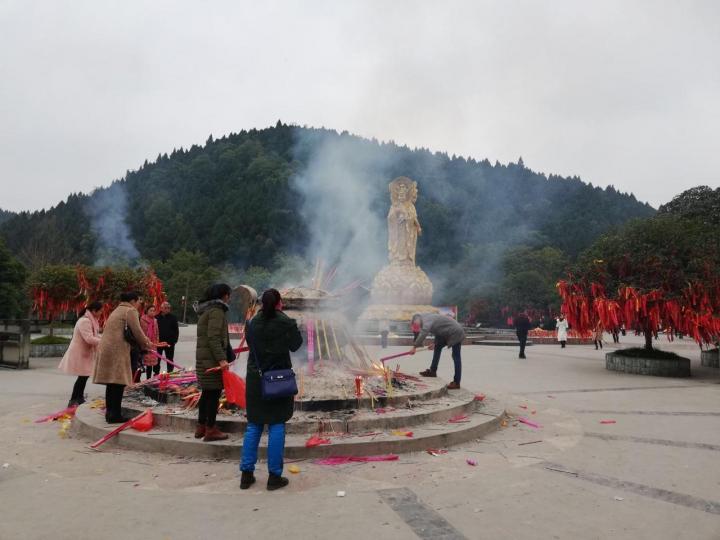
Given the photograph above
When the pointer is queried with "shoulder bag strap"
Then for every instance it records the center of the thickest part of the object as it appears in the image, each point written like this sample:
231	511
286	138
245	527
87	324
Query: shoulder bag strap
250	338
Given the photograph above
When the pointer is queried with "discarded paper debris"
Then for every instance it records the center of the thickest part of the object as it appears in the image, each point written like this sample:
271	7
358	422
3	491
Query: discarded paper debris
530	423
316	441
68	412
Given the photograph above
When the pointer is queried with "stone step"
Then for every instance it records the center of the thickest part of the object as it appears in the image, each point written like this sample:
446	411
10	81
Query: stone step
500	342
90	424
441	409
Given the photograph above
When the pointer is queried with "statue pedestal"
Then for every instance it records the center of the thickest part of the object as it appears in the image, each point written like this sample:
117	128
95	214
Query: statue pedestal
398	292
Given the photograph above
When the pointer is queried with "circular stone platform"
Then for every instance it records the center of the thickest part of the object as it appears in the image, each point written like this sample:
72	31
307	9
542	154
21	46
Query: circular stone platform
437	418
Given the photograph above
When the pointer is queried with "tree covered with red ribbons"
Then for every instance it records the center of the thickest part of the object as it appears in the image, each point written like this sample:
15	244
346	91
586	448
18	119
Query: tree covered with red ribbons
60	290
657	274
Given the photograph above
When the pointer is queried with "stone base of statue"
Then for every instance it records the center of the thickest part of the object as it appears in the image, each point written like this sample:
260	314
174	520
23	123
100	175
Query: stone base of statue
398	292
395	313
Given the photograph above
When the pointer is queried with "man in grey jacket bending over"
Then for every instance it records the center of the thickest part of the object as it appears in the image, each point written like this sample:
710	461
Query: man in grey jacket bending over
447	332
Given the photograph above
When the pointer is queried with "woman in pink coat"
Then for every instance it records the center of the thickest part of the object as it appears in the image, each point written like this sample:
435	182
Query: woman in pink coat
149	325
80	355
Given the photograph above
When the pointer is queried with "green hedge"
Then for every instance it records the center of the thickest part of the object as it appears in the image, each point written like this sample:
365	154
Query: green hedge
50	340
639	352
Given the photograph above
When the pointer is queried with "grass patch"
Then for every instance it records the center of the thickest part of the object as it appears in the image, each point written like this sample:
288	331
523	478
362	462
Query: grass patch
640	352
50	340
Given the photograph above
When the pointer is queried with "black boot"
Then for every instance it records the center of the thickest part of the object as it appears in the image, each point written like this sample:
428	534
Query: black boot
247	479
276	482
116	419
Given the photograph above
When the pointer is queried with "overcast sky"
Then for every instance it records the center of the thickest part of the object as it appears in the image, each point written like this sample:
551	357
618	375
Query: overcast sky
616	92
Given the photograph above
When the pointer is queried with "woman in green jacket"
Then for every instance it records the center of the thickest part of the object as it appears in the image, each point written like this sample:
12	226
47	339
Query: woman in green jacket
272	335
213	343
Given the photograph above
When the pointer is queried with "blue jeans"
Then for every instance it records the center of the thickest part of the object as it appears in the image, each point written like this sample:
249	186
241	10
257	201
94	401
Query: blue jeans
275	451
439	345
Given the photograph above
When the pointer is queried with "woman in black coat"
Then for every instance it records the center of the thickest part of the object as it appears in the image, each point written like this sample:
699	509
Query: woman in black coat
271	337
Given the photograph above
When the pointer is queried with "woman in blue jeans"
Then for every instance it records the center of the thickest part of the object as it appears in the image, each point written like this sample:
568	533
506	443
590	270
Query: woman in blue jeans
272	335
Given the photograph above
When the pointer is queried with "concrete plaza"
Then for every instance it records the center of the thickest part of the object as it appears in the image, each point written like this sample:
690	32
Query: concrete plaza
653	474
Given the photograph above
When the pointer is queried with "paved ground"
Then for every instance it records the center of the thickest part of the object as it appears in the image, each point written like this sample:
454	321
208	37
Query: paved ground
653	474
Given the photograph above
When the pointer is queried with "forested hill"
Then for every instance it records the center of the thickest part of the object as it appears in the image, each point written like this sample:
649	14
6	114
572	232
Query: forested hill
5	215
240	198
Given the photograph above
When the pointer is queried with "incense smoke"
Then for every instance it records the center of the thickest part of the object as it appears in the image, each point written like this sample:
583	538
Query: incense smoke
107	208
344	194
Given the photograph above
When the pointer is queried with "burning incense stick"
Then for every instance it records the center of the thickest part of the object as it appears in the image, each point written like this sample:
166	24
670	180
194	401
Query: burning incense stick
337	347
327	347
154	353
310	330
317	336
372	398
386	358
117	430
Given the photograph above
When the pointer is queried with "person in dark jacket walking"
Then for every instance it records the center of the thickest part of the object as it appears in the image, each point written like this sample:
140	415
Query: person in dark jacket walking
211	352
272	335
169	333
522	327
447	332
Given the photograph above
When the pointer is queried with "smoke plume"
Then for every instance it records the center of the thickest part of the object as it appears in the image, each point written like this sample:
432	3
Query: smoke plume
107	209
344	196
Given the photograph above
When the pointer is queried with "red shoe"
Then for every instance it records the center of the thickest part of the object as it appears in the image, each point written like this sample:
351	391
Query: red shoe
453	386
428	373
200	431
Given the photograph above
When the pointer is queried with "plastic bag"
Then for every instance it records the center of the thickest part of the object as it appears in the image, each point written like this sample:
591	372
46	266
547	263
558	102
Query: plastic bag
234	388
145	423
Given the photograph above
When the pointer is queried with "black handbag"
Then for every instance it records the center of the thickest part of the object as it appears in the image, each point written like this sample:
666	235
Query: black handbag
129	336
274	383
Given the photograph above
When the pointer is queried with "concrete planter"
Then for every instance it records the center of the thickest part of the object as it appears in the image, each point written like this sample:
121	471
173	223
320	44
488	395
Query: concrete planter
710	358
676	367
57	331
48	351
